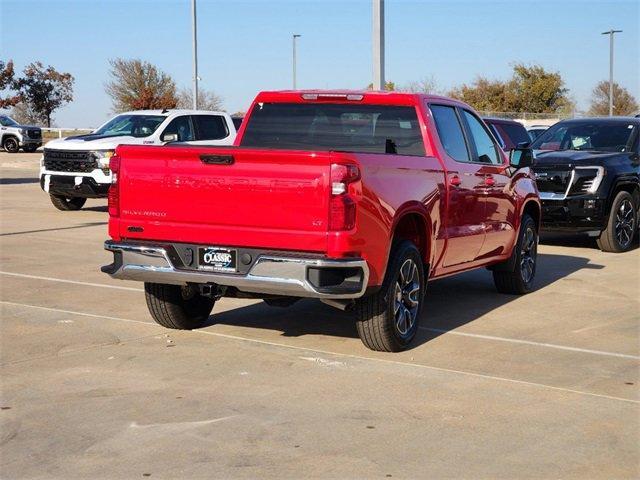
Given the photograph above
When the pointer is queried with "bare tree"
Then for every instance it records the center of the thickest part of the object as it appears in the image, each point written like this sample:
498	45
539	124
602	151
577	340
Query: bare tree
25	115
426	85
138	85
623	102
207	99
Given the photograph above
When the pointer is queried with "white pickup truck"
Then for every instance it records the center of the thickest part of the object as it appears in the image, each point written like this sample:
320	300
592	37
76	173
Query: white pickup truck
75	168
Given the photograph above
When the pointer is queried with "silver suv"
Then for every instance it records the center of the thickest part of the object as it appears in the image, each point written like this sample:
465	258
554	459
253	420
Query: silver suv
14	136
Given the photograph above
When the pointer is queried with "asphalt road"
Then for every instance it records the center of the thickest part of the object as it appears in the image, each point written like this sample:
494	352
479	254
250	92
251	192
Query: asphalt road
540	386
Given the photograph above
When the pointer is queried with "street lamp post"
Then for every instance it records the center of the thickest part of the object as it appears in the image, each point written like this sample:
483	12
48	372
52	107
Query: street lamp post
195	54
611	33
295	35
378	44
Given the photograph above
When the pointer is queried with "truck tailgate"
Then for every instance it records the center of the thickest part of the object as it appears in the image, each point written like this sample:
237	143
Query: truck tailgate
225	196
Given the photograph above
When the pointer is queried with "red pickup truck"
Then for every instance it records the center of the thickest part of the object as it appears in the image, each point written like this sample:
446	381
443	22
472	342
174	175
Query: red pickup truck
355	198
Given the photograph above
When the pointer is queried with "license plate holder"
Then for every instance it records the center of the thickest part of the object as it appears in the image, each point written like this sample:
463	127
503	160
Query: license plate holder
218	259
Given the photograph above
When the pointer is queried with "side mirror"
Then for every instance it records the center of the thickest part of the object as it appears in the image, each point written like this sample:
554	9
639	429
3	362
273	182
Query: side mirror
169	137
521	156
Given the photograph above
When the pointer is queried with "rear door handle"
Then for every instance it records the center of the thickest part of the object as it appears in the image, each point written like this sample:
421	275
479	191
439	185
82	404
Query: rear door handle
217	159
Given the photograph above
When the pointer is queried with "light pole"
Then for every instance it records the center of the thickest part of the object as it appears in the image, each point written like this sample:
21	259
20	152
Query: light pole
611	34
294	36
378	44
195	54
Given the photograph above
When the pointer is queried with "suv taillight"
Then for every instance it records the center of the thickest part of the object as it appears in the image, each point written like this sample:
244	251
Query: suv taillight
114	193
342	208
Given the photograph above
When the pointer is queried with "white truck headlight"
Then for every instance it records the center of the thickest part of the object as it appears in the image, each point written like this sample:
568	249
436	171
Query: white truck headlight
103	156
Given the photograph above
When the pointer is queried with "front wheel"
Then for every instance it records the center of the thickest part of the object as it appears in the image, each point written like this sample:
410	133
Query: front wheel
517	275
621	227
67	203
177	307
11	145
388	320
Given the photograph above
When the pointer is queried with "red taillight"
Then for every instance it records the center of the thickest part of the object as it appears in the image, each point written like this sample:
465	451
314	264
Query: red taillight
342	208
114	191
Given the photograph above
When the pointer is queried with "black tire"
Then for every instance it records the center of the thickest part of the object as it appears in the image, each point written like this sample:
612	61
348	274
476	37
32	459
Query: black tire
177	307
382	320
517	275
67	203
622	224
11	145
30	148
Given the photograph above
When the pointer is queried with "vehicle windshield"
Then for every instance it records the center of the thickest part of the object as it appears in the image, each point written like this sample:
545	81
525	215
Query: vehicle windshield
592	136
6	121
335	126
131	125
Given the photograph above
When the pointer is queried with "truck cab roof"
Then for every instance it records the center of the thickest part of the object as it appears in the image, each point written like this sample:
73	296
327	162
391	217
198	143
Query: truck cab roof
172	111
355	96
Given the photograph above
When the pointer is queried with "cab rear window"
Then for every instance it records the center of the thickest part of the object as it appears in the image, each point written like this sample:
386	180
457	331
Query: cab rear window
333	126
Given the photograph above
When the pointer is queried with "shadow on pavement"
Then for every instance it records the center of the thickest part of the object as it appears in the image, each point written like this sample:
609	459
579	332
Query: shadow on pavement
18	181
450	303
84	225
576	240
102	208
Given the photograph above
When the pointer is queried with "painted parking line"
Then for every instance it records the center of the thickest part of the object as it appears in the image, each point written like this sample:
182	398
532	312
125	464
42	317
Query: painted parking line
433	330
337	354
528	342
74	282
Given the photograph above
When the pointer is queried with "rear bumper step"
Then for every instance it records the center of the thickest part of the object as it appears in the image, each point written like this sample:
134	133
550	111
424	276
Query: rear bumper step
270	274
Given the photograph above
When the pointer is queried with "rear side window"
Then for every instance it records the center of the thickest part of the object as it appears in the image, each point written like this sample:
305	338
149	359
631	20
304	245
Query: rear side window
485	148
237	122
450	132
211	127
513	134
335	126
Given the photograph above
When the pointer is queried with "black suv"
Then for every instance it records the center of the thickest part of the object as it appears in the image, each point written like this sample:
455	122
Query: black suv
588	174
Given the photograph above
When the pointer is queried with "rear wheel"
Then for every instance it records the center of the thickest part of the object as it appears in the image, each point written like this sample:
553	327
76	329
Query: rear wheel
621	226
67	203
518	278
388	320
177	307
11	144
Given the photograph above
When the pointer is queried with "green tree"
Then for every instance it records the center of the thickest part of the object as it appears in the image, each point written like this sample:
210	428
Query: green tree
139	85
623	102
530	89
44	90
7	84
533	89
483	94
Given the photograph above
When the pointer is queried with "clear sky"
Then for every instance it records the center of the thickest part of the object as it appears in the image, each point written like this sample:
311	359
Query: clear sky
245	46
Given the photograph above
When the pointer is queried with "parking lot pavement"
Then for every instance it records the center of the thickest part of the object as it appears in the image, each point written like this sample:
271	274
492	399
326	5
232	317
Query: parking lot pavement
544	385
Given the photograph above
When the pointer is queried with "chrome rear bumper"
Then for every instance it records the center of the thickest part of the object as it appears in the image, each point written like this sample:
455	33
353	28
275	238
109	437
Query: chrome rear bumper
269	274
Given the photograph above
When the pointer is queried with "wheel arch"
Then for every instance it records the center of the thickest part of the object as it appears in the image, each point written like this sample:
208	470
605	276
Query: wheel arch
8	135
412	223
630	185
532	208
